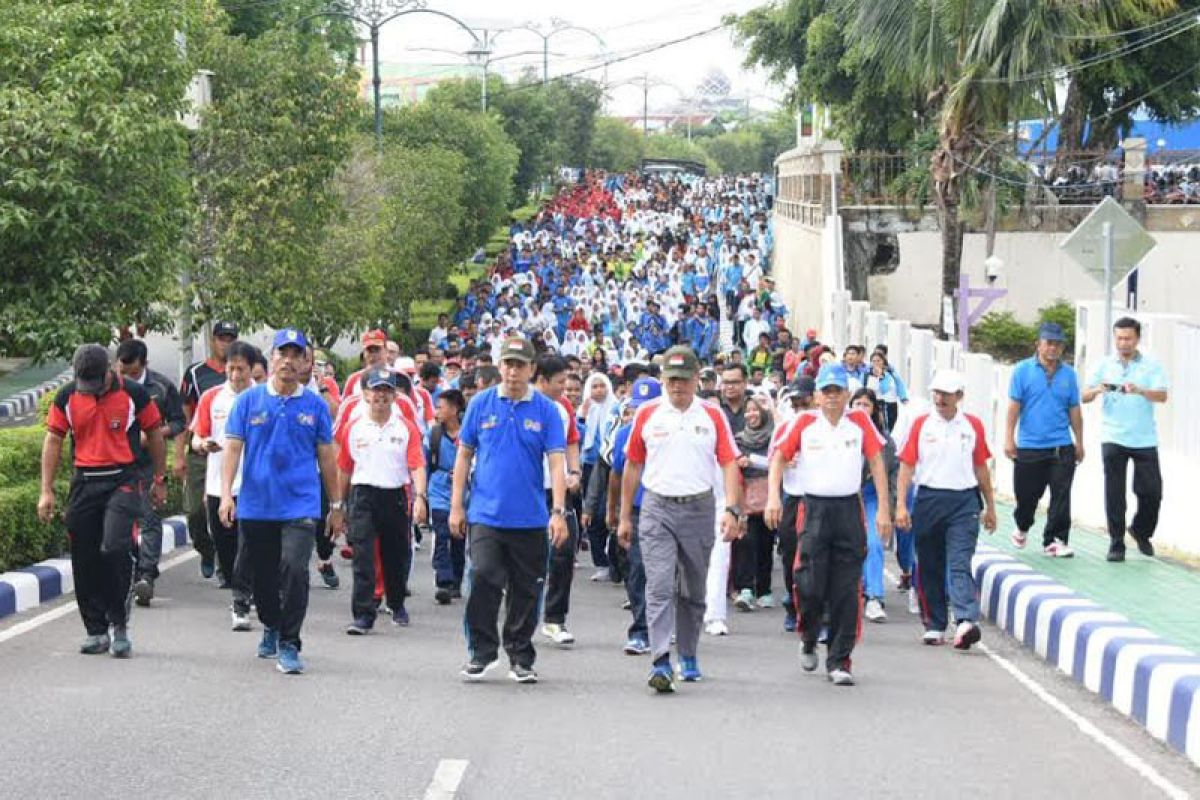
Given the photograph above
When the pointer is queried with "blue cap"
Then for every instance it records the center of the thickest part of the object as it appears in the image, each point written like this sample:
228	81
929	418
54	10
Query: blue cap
833	375
289	337
1051	332
644	390
378	378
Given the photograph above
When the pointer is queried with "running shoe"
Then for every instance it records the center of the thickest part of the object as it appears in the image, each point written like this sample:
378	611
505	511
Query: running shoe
716	627
95	645
1144	545
290	662
636	646
475	670
442	596
207	567
601	576
823	635
662	676
744	600
456	593
329	576
558	634
121	646
268	647
904	582
841	677
789	622
1058	549
689	669
874	611
240	620
766	601
1018	539
625	606
1115	554
360	627
400	617
808	658
521	674
143	591
914	603
933	638
966	634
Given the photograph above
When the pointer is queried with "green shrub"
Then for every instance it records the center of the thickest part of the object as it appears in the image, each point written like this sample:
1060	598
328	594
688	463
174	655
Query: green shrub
20	454
1062	312
24	539
1004	337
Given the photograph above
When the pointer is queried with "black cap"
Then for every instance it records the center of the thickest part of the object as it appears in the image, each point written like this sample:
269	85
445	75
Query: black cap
803	386
224	328
91	367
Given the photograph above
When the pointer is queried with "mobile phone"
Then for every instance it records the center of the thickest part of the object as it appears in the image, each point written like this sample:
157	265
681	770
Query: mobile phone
1112	387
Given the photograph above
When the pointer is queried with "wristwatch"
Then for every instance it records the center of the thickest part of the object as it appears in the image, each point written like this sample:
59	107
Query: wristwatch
558	512
735	510
337	505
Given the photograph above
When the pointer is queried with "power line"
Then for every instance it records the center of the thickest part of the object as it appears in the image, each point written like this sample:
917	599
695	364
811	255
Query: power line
1129	31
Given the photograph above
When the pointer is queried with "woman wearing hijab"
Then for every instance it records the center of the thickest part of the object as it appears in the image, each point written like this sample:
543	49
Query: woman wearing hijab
753	554
599	402
865	400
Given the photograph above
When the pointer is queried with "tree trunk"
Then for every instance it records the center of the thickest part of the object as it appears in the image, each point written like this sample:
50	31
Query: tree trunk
947	189
1070	128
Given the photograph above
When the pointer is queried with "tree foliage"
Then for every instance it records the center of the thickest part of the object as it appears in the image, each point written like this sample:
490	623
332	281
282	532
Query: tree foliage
93	188
615	146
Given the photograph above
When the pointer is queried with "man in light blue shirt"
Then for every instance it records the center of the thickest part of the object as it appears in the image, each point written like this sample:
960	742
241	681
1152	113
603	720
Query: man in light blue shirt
1043	396
1129	382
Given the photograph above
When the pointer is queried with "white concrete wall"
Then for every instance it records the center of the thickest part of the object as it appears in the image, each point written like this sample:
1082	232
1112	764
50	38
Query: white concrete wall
1036	272
797	269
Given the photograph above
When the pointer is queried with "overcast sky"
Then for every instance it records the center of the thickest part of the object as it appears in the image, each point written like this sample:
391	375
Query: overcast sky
627	26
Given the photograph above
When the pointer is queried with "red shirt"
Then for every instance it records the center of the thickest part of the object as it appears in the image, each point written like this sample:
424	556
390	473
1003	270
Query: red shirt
107	428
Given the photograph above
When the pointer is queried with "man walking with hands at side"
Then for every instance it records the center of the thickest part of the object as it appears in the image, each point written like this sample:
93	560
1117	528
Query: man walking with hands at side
506	433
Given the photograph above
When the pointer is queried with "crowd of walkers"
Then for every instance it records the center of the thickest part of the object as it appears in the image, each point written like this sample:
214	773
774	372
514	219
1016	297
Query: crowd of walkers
622	383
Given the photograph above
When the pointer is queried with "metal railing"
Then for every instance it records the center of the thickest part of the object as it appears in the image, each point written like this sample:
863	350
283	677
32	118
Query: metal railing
877	179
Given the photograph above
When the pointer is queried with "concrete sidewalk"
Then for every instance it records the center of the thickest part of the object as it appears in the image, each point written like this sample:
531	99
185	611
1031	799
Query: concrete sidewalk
21	390
1126	631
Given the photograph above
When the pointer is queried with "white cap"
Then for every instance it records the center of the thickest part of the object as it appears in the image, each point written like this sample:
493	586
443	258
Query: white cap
948	381
406	364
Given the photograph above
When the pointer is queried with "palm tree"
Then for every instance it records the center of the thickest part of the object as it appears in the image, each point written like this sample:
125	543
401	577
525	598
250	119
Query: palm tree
975	60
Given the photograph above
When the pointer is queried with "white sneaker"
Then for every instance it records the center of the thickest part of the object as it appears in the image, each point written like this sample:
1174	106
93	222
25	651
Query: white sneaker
841	677
241	621
716	627
1058	549
766	601
744	600
914	605
965	635
558	634
933	638
808	661
874	611
601	575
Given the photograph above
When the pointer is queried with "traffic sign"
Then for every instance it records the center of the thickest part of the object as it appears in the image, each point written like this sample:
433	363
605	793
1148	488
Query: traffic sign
1130	242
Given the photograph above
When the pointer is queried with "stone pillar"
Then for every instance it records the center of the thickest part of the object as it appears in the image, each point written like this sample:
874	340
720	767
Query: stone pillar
920	343
979	397
837	327
1133	188
858	320
897	344
875	329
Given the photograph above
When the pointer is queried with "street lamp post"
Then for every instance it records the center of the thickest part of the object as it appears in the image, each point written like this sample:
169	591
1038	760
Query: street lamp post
557	26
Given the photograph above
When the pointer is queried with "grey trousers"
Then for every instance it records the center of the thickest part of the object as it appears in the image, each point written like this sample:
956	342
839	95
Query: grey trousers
676	541
150	530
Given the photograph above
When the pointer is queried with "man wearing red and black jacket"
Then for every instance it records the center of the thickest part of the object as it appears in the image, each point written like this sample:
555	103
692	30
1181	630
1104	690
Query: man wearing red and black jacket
106	416
191	467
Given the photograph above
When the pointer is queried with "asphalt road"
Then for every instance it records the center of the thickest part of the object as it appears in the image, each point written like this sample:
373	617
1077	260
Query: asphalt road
195	714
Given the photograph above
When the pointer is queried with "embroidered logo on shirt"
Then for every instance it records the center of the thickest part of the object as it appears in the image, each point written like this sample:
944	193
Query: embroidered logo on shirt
533	425
258	419
489	422
307	419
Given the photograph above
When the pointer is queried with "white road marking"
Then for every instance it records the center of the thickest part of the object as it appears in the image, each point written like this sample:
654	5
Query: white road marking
446	778
67	608
1087	728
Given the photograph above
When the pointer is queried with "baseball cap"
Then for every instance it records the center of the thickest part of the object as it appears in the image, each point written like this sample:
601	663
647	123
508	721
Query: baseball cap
406	364
378	378
644	390
1051	332
833	375
948	381
803	386
289	337
375	338
680	362
518	349
91	367
225	328
811	333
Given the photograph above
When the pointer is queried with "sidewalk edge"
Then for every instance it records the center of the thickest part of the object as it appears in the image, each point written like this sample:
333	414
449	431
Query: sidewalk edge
25	402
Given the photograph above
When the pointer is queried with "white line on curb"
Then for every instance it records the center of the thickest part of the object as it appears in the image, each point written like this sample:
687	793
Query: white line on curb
446	778
61	611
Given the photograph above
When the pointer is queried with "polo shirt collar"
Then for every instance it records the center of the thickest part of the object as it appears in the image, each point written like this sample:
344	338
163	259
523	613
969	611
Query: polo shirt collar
527	396
271	389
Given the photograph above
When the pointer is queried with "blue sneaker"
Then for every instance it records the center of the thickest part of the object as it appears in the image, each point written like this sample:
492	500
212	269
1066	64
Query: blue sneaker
662	677
689	669
637	646
208	567
400	617
269	646
290	662
789	623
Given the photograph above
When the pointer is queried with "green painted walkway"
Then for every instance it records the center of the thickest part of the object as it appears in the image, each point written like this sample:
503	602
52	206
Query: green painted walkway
1159	595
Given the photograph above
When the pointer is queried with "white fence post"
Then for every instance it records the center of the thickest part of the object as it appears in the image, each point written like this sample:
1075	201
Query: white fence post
875	330
920	362
897	345
980	398
858	321
837	331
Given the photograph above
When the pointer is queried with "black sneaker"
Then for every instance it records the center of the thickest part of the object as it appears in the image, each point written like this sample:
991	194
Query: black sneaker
95	645
1144	545
207	567
1116	554
143	591
329	576
475	670
442	596
521	674
456	593
121	646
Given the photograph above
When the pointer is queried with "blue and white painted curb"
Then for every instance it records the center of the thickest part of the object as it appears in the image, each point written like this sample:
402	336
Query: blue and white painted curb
1141	674
25	402
29	587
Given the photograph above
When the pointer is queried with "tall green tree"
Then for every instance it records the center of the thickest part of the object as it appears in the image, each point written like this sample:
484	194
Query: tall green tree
93	168
575	103
615	146
278	132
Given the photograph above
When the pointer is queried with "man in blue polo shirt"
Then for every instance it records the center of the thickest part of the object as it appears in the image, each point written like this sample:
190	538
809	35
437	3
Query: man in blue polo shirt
1130	383
281	434
1043	396
506	433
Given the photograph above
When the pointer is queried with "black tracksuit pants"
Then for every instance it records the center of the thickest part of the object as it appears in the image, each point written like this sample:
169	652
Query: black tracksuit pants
1147	487
789	525
833	546
383	514
561	572
101	518
754	557
508	564
1035	470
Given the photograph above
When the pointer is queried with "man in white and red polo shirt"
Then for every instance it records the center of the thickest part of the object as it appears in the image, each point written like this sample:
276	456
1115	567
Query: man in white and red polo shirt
374	355
829	446
946	455
675	448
